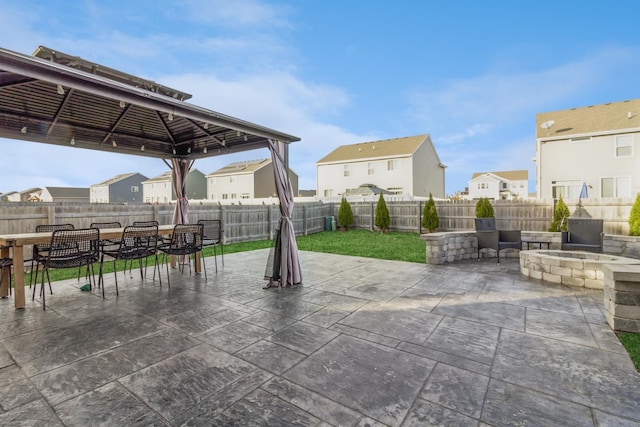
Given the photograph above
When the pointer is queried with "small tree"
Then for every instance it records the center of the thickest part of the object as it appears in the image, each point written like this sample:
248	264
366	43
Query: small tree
634	218
484	208
560	217
345	214
430	219
382	215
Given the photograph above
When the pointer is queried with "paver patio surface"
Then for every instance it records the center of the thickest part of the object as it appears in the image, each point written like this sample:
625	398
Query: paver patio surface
362	342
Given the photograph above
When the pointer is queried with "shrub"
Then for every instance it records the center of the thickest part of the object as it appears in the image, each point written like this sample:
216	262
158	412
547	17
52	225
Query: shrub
382	215
430	219
560	217
634	218
484	208
345	214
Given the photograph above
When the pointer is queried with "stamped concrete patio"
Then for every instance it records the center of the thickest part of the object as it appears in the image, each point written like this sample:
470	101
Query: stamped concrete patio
362	342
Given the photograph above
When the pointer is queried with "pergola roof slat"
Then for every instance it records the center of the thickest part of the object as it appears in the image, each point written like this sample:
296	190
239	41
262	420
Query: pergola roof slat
45	101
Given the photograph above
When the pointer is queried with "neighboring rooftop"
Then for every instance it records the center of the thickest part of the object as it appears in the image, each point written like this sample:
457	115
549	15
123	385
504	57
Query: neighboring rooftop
518	175
246	166
375	149
592	119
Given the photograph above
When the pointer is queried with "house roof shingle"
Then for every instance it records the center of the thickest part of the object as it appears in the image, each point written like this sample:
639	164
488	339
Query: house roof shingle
375	149
613	116
68	192
164	177
243	167
517	175
115	179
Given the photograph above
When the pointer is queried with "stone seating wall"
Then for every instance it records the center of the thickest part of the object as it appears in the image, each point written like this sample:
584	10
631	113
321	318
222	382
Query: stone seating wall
451	246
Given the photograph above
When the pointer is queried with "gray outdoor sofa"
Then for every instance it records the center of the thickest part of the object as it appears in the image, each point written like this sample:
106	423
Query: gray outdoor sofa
584	234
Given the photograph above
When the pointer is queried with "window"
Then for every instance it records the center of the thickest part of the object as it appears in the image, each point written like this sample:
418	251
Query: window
234	195
225	196
392	165
328	193
624	145
135	189
232	179
244	196
370	169
482	185
395	190
214	196
566	189
615	186
346	170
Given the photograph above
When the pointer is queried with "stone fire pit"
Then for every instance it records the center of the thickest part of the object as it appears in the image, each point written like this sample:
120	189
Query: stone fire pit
573	268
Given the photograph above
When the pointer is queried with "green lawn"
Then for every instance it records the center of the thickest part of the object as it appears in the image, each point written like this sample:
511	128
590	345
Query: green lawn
396	246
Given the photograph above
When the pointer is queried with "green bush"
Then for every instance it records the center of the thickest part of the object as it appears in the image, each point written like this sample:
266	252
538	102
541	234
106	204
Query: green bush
345	214
560	217
484	208
634	218
430	219
382	215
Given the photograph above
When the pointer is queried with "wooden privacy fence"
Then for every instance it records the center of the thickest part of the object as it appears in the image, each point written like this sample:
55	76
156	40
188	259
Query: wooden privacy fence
256	222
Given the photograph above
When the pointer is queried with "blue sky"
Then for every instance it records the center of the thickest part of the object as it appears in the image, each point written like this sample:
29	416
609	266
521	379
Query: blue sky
471	74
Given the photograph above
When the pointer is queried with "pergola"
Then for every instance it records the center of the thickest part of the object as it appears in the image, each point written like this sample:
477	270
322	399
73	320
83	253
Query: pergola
55	98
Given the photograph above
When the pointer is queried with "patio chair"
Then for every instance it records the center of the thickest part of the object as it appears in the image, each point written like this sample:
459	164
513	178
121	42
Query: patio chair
212	236
490	238
104	242
5	266
40	251
70	248
136	243
186	240
584	234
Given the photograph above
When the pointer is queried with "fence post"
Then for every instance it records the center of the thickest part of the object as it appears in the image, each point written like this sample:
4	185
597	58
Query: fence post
372	220
304	220
419	216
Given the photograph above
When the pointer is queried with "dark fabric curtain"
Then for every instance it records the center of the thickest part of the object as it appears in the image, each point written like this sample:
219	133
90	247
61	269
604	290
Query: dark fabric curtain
180	170
286	262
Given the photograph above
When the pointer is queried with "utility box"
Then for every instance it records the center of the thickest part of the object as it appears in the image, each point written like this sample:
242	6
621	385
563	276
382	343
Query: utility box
329	223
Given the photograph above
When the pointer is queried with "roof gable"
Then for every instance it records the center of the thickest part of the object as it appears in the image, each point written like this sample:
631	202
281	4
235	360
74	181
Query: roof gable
375	149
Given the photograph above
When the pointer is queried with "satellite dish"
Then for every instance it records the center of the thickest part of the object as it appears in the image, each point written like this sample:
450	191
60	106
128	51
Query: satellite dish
547	125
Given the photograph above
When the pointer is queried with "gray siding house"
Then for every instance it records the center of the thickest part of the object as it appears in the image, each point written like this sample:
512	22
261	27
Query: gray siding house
124	188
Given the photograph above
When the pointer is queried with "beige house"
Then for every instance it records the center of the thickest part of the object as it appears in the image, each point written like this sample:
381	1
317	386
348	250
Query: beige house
505	185
594	147
251	179
406	166
30	195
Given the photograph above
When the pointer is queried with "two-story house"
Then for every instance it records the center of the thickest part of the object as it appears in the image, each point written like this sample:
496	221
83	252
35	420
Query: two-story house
123	188
25	195
246	180
408	166
504	185
160	189
595	146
